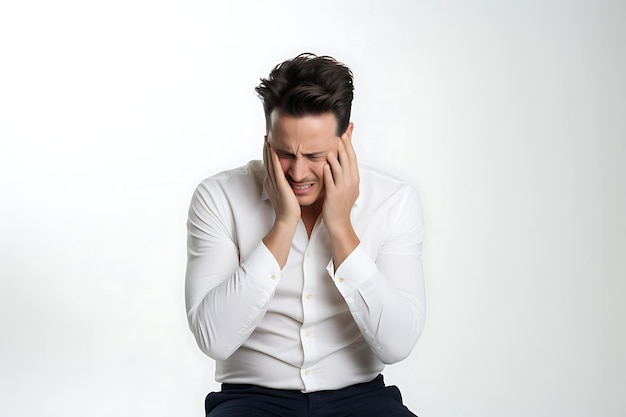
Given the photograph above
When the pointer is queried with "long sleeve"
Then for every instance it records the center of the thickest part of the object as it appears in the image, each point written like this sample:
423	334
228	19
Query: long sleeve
226	296
303	327
384	286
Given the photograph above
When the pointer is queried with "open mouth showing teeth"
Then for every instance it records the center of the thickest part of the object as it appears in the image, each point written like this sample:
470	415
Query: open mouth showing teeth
301	187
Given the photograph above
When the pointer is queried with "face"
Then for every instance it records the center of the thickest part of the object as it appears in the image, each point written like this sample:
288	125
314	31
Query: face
302	145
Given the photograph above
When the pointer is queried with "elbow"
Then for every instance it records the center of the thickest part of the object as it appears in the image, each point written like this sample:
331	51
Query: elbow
215	350
389	356
209	344
217	353
396	352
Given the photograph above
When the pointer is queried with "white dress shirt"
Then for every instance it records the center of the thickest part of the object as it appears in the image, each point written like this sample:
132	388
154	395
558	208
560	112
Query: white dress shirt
305	327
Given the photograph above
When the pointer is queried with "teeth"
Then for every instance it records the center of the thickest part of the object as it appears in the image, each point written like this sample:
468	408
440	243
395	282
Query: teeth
301	187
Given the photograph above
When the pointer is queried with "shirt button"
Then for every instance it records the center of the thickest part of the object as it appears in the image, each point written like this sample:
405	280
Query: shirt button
308	296
307	334
306	373
341	280
273	277
308	253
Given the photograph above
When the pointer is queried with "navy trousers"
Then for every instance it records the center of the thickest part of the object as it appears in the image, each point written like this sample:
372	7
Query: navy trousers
370	399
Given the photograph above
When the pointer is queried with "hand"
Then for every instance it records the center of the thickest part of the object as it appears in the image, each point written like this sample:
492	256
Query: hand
278	189
341	181
288	212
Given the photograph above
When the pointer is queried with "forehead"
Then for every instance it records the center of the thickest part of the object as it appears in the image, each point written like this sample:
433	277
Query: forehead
285	129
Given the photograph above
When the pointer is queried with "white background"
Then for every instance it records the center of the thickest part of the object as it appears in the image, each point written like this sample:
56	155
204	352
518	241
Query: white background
508	116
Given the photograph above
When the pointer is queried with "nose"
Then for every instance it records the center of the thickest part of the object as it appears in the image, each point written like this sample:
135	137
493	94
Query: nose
298	169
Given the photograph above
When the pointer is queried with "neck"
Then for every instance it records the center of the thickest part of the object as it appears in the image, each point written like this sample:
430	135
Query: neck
310	215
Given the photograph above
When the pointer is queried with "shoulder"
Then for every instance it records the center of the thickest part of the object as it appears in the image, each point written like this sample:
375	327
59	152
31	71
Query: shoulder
240	181
388	207
384	194
379	184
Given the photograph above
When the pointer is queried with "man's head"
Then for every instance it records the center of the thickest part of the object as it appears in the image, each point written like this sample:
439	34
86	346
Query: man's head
308	85
307	102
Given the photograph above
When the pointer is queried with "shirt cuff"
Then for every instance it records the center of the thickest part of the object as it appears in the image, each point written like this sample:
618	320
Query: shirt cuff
263	268
354	272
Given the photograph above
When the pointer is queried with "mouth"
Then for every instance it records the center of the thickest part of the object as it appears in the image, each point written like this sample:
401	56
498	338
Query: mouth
300	189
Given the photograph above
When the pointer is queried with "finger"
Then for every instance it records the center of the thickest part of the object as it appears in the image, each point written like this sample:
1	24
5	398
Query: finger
342	155
335	166
329	182
266	159
351	155
278	174
271	165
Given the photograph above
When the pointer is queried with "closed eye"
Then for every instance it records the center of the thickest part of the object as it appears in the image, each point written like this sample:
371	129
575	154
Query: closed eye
316	157
284	155
311	156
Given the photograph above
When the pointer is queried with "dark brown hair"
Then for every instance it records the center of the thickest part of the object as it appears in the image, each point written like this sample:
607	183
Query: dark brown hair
309	85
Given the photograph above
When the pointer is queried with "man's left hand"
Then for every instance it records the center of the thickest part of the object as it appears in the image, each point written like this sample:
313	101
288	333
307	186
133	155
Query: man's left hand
341	181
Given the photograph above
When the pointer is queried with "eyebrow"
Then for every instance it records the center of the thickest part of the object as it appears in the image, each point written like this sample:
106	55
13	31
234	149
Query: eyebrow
315	154
307	155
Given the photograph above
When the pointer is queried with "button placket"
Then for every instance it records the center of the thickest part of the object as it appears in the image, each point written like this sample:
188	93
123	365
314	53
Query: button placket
308	270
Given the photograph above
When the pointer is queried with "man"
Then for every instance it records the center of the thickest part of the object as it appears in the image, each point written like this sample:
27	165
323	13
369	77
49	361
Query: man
304	272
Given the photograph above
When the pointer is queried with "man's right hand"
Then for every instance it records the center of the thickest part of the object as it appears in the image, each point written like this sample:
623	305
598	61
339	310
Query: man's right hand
280	193
288	212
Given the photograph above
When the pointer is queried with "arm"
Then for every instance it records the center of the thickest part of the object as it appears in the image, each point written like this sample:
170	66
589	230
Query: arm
226	297
285	204
385	295
341	182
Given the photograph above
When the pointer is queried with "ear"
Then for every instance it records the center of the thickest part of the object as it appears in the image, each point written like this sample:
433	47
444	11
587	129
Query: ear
348	133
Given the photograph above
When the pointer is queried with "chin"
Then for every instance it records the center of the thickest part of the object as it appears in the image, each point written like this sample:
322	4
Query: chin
306	201
310	200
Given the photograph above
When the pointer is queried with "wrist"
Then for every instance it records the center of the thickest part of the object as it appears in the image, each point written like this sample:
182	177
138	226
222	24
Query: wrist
343	240
286	223
278	241
339	227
